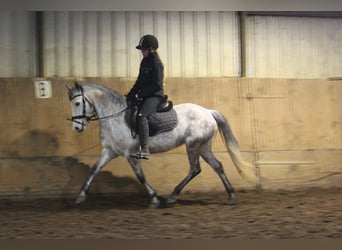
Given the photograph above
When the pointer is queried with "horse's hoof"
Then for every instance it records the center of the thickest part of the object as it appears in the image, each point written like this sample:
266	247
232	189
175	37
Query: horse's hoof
172	199
81	198
155	203
232	200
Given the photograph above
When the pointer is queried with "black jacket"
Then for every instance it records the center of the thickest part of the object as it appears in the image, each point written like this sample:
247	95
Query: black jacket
150	78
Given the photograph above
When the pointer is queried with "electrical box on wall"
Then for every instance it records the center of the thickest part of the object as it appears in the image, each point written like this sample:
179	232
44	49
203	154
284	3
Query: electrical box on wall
43	89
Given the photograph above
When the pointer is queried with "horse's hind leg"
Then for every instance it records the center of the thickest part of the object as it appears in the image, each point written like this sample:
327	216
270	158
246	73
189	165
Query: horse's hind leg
140	174
195	169
209	157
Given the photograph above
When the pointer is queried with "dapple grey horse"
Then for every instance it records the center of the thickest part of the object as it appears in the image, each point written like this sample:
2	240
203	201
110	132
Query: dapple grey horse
196	128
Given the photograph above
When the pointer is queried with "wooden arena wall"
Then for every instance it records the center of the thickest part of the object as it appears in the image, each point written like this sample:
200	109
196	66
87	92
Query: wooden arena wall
290	128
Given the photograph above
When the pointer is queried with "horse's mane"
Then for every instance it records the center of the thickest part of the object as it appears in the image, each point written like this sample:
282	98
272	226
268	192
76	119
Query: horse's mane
113	95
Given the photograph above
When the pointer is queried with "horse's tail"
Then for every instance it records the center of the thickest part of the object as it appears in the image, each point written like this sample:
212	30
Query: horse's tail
245	169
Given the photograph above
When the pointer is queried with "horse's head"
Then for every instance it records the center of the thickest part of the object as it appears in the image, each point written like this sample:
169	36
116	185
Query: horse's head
82	109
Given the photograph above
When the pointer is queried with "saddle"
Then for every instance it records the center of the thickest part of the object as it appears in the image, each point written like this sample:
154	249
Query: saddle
165	119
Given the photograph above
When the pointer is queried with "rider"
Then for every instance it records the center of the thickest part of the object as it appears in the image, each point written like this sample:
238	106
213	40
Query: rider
148	89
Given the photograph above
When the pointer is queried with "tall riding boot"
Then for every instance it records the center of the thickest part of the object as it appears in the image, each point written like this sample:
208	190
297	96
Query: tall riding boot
143	131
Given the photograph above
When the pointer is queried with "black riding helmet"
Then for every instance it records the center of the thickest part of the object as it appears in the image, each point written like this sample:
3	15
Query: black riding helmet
147	42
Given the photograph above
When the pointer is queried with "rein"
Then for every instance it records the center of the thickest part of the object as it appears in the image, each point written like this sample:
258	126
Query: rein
94	116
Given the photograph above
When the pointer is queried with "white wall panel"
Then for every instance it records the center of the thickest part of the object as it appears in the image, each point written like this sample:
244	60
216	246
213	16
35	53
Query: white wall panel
192	44
119	67
293	47
17	44
201	45
105	28
174	62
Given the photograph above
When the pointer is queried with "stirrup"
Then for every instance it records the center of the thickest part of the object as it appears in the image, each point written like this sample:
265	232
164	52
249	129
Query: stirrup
141	154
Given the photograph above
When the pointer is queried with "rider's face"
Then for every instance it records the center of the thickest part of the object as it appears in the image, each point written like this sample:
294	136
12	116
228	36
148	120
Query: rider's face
145	52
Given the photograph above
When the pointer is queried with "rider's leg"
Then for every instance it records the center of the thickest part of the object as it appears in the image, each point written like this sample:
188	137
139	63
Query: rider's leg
143	131
149	106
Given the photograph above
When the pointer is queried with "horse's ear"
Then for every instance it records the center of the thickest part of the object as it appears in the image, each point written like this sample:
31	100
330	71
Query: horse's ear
68	87
77	85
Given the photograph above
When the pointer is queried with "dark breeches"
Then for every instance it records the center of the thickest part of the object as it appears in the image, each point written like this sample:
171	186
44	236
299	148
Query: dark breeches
149	106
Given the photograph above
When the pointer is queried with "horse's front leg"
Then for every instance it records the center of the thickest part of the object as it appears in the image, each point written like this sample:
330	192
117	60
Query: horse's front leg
105	156
135	164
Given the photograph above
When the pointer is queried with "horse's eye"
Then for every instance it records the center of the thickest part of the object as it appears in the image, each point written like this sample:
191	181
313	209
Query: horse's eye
77	103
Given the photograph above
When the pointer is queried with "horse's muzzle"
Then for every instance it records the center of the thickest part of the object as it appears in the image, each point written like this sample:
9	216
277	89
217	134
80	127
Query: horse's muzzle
78	129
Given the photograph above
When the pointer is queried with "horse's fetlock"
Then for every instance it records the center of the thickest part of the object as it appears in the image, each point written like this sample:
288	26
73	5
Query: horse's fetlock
197	171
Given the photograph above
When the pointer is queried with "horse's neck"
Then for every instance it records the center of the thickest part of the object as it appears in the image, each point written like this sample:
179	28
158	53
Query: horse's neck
103	104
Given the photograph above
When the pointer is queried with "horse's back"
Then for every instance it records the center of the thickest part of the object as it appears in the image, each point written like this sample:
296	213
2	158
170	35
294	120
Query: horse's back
193	111
185	107
196	121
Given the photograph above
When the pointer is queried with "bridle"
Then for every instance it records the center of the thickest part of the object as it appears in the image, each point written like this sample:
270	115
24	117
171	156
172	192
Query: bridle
94	116
84	115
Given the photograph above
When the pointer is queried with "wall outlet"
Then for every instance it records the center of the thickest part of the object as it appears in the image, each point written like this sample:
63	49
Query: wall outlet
43	89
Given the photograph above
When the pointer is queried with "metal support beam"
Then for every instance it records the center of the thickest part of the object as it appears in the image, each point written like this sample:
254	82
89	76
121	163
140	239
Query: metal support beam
242	36
39	43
